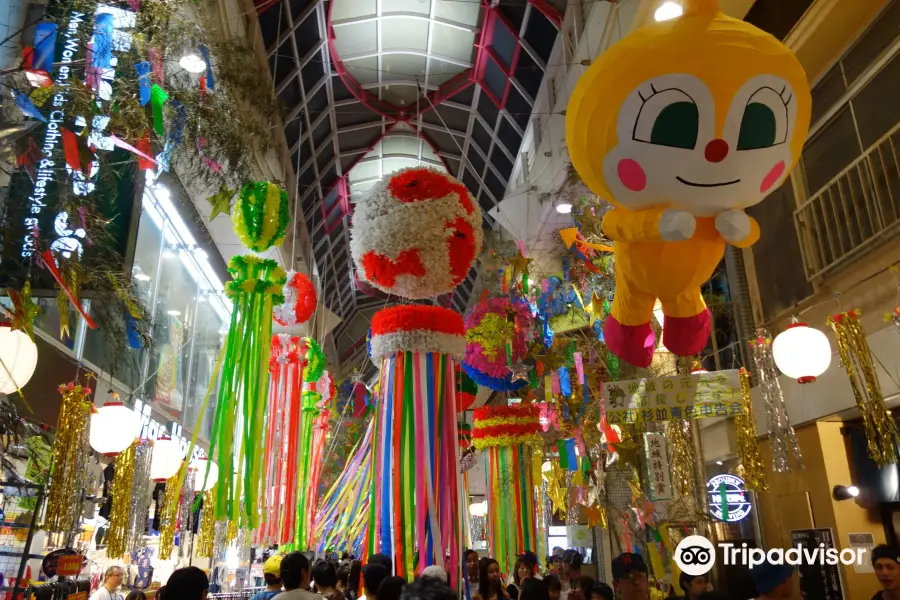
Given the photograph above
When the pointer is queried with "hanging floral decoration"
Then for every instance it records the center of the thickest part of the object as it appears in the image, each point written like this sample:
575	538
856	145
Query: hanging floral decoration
398	227
486	366
466	390
256	286
856	356
299	300
419	328
507	434
70	451
261	215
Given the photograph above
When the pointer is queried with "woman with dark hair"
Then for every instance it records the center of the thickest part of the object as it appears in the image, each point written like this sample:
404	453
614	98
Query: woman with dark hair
136	595
189	583
490	585
470	557
525	569
353	580
534	589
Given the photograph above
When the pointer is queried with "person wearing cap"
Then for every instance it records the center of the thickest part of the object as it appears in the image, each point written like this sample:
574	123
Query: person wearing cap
272	575
773	581
630	580
295	578
886	560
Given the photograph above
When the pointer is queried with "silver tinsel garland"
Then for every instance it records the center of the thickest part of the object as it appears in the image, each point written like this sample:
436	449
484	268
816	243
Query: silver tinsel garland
185	514
782	439
141	497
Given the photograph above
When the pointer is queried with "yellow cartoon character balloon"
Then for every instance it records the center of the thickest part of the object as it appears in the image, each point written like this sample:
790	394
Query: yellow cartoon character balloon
682	125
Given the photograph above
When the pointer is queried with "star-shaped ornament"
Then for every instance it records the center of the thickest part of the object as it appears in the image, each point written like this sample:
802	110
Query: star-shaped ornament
590	224
519	372
221	202
596	515
24	310
551	360
629	453
520	264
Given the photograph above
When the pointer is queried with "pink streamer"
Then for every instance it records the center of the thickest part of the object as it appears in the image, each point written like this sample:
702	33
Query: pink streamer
521	246
156	65
579	441
579	367
421	453
126	146
554	378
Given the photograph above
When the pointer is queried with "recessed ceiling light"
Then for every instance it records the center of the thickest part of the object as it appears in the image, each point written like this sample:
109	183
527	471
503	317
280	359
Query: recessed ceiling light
719	462
668	10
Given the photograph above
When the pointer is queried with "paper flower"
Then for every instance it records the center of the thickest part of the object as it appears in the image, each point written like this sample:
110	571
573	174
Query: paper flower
299	301
489	368
417	234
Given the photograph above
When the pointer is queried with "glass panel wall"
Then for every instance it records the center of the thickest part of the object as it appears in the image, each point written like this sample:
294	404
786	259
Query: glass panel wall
190	317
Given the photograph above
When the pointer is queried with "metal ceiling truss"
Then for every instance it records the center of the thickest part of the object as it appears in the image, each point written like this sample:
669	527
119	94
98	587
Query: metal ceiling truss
465	115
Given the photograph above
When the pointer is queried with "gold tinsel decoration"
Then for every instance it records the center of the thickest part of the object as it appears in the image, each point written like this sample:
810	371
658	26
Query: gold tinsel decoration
69	454
169	518
681	458
747	442
207	529
881	431
120	494
232	532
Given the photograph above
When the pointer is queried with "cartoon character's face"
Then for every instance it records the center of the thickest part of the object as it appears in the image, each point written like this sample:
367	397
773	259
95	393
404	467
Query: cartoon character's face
669	146
703	113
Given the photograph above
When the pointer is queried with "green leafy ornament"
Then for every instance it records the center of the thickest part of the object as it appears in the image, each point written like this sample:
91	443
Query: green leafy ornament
261	215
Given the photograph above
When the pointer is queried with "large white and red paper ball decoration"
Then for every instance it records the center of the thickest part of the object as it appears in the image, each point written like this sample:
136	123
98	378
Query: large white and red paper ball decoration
19	356
299	301
801	352
114	427
417	234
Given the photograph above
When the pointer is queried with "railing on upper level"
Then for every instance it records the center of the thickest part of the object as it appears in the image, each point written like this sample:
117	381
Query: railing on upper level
854	212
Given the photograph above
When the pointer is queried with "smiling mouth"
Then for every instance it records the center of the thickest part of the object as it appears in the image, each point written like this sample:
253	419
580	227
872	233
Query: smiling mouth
691	183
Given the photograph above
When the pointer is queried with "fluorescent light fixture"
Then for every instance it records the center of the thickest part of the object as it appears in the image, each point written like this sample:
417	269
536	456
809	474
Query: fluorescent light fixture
668	10
719	462
563	207
193	63
174	313
141	276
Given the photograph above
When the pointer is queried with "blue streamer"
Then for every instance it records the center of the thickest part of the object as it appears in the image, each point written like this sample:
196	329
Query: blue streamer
210	81
495	383
386	463
143	73
103	36
565	384
598	329
44	47
567	268
27	106
178	124
430	423
570	453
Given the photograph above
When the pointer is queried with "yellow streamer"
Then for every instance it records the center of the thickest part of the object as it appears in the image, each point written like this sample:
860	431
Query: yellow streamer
169	515
747	441
121	495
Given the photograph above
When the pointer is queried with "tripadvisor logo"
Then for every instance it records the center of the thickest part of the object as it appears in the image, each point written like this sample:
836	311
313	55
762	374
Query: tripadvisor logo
695	555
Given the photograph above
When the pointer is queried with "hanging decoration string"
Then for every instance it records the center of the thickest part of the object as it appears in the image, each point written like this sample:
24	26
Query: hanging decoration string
748	442
856	356
70	448
121	495
782	439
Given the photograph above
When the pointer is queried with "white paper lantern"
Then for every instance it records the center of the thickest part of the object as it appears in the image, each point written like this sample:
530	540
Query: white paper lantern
801	352
113	428
19	355
166	459
200	466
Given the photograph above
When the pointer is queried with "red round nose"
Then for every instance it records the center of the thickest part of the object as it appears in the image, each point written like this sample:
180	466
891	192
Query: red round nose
716	150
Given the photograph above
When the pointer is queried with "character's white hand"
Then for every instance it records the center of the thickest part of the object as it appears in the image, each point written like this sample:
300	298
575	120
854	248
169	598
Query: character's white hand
733	225
676	225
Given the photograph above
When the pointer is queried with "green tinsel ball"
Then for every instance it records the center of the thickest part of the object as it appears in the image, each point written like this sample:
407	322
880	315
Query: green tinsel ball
261	215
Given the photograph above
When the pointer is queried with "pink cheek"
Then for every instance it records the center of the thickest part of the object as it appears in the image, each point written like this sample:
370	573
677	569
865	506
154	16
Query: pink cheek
772	177
632	175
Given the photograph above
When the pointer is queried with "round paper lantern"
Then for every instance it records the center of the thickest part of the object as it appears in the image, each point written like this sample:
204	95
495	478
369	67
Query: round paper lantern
19	355
113	428
261	215
801	352
489	328
416	234
200	465
166	459
299	301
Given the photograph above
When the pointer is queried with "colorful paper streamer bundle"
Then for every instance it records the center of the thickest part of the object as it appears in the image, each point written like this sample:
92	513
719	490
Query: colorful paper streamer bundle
255	287
497	331
507	434
70	451
415	514
343	517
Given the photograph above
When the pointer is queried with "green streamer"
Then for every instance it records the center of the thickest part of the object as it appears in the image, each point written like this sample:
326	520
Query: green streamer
158	98
563	454
408	480
723	498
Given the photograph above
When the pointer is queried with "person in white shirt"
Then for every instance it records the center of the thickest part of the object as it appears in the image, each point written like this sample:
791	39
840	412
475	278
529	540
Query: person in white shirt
112	581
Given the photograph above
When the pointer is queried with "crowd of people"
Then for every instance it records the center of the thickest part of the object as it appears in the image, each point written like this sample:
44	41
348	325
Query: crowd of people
293	577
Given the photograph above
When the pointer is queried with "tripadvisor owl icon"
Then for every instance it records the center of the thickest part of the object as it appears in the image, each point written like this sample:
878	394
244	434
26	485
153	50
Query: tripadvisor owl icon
695	555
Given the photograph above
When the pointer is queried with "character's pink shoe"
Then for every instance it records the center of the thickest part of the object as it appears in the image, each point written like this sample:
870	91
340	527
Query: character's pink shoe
686	336
632	343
